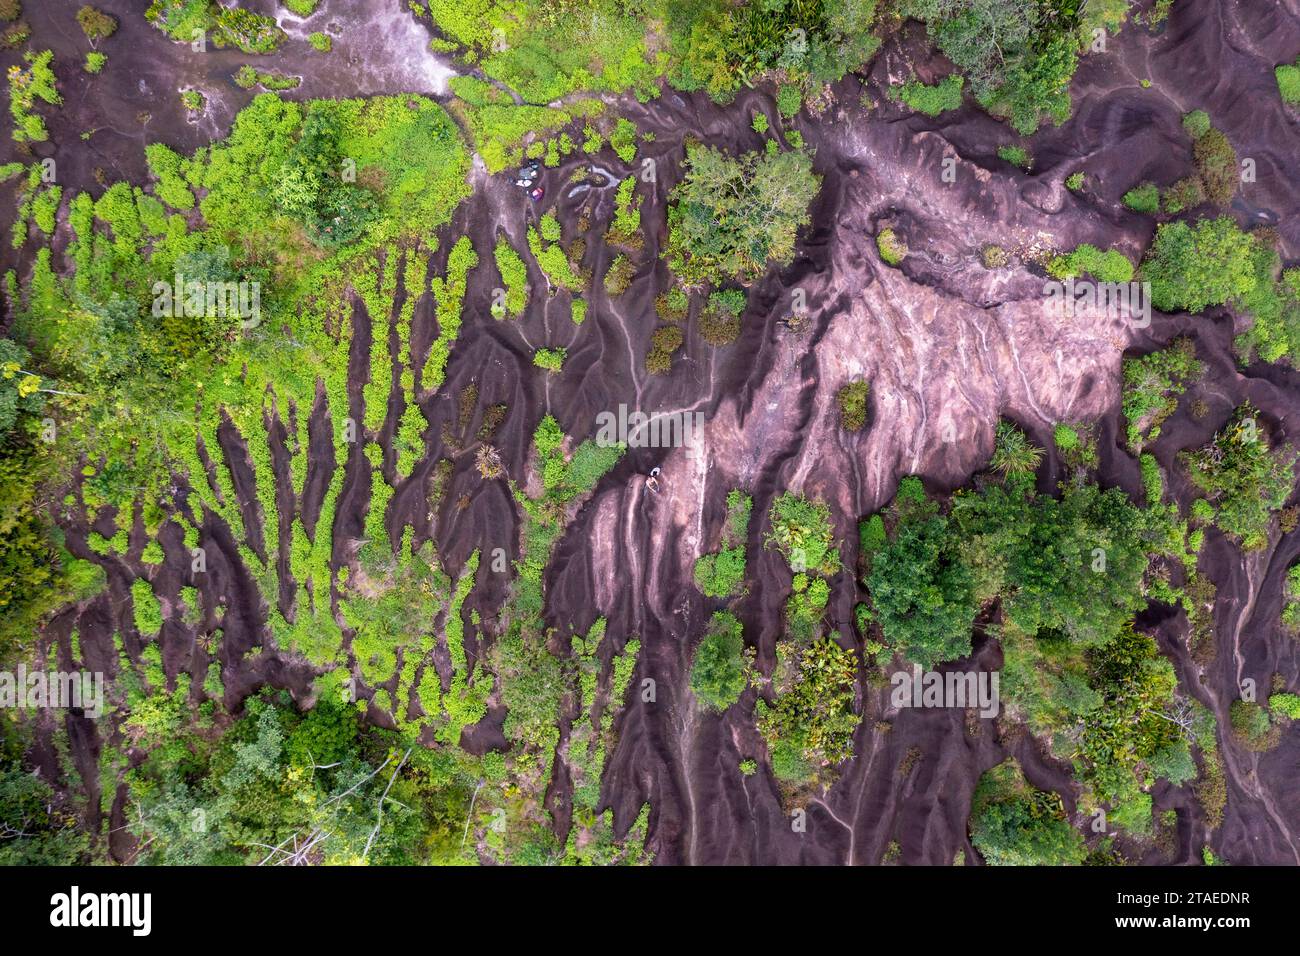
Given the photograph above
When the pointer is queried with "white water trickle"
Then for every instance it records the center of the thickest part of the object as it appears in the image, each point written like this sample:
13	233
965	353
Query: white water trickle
389	47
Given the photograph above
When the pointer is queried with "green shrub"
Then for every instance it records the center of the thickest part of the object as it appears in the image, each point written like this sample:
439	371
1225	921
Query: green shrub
789	100
514	276
923	597
619	276
801	530
720	318
852	399
625	228
1019	63
1252	726
247	77
719	674
45	209
550	255
16	34
665	341
180	19
1216	161
168	167
788	762
1016	156
1274	304
739	507
1132	812
1191	267
1152	385
1012	824
1077	445
674	305
721	574
550	359
1066	437
1183	195
811	725
871	538
1143	198
1197	123
623	139
1174	763
41	832
932	100
1243	477
246	31
1153	482
892	249
721	48
1288	82
146	608
1109	266
96	24
1286	704
25	88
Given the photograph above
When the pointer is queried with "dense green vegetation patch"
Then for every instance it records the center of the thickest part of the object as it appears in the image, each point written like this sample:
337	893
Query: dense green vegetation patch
731	216
191	21
1018	57
1087	260
931	100
721	573
721	47
720	672
545	52
1152	385
852	399
1014	824
1244	478
1288	82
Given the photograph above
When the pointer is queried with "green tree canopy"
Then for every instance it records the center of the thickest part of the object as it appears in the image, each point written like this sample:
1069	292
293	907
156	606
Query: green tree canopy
1194	267
731	216
1013	824
718	676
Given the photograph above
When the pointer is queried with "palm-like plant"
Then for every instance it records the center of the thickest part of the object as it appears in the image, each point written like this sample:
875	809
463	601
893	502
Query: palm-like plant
1013	452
